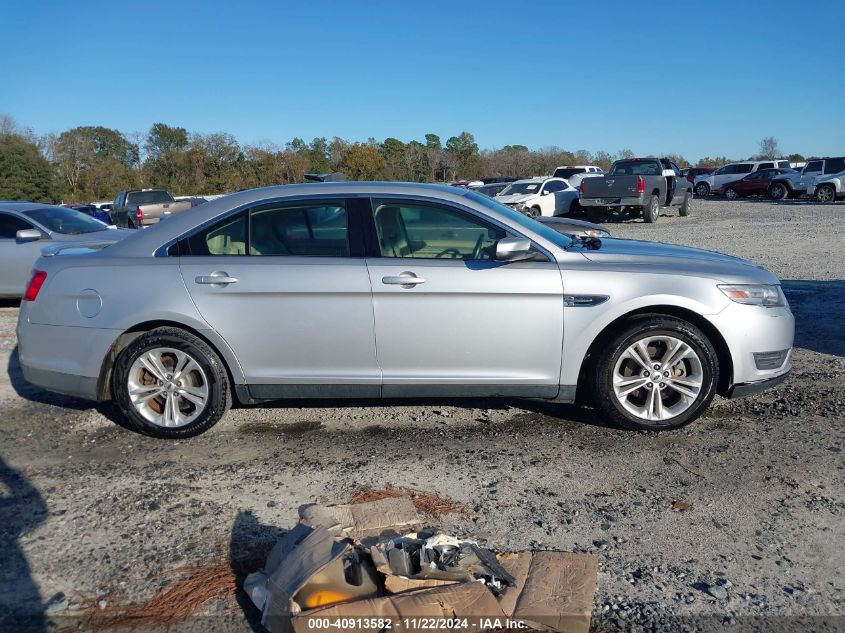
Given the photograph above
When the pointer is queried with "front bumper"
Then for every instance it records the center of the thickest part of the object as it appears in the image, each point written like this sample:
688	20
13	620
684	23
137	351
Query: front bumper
750	388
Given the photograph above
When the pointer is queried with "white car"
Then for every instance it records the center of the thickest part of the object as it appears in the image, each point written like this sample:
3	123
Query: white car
707	183
574	174
828	188
540	196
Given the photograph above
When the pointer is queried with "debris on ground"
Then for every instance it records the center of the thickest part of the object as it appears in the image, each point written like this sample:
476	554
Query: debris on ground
429	503
364	561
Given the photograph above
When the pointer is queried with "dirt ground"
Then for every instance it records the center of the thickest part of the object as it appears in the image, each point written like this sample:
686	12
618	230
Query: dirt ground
94	516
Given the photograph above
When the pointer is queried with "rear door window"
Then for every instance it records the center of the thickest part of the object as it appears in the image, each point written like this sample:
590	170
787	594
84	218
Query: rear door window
303	229
834	165
744	168
765	166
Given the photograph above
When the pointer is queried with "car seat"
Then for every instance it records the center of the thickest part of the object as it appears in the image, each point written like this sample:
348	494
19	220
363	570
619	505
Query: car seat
393	236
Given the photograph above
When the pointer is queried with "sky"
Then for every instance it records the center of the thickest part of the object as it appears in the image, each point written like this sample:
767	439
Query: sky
697	79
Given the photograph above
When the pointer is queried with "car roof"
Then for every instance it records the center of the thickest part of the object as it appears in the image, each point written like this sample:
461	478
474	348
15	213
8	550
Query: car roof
21	206
537	179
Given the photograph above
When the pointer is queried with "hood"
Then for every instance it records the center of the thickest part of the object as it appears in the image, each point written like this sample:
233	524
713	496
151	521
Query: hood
515	197
683	260
107	235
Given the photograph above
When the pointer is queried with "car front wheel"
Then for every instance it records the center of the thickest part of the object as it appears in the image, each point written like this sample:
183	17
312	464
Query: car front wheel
169	383
731	194
657	373
702	189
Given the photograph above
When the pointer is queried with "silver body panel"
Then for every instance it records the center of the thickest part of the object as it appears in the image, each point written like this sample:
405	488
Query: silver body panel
321	326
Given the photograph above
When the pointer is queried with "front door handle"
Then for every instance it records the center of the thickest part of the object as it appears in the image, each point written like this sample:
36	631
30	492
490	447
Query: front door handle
217	278
405	279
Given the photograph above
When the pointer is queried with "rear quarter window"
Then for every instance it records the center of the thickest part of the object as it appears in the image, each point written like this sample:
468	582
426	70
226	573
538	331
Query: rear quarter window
834	165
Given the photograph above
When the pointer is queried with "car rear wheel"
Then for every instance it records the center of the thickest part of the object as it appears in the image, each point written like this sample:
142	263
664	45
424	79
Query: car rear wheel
702	189
686	205
778	191
731	193
651	210
826	193
658	373
169	383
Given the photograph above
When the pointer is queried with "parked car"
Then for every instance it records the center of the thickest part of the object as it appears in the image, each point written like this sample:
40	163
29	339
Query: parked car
691	173
466	184
644	184
573	174
395	290
194	200
497	179
103	205
540	196
754	184
27	227
91	210
571	226
829	188
493	189
139	208
707	183
794	185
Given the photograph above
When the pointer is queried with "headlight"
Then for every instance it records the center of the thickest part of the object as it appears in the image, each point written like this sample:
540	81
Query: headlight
597	233
755	295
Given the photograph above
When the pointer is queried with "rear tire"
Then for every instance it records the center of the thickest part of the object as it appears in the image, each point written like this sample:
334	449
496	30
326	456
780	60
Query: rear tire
534	212
184	392
702	189
826	193
684	394
651	210
686	205
777	191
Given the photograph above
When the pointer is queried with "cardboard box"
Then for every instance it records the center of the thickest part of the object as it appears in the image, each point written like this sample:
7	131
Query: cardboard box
553	591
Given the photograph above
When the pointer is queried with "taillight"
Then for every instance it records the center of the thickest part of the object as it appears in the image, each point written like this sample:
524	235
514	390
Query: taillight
640	184
139	214
581	187
35	282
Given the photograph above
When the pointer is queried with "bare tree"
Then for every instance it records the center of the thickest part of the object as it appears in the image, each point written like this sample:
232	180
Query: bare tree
769	148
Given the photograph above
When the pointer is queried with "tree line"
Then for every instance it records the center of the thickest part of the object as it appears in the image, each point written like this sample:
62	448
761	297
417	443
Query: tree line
94	163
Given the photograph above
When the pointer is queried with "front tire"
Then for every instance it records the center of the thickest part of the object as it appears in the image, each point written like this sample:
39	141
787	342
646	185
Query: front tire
702	189
826	193
658	373
731	193
651	210
170	384
778	191
686	205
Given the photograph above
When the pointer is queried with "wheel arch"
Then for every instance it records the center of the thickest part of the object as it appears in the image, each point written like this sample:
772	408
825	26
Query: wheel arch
712	333
230	363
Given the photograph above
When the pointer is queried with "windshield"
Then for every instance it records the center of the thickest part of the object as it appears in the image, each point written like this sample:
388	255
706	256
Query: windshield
148	197
521	188
519	219
65	221
566	172
636	167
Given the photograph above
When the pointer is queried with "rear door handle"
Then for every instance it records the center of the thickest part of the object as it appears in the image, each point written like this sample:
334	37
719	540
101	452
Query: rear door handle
405	279
217	278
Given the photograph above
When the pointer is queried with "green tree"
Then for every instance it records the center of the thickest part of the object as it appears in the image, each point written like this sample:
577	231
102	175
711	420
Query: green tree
392	150
318	153
363	162
462	156
24	173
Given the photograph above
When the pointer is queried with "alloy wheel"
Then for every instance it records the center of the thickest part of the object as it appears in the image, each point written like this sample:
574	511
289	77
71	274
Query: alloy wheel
167	387
657	378
825	194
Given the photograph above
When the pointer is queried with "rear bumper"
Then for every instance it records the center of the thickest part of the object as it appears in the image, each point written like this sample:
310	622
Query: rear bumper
632	201
67	384
750	388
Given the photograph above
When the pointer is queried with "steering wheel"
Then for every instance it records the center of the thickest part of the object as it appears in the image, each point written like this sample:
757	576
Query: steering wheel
449	251
476	251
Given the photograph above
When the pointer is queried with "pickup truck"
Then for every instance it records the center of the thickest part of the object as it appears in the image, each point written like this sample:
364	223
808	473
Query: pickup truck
138	208
641	184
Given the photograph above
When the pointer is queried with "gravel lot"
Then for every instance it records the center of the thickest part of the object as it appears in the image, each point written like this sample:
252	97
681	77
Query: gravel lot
92	514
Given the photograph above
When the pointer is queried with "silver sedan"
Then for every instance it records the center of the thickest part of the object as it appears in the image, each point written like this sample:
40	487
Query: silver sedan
27	227
367	290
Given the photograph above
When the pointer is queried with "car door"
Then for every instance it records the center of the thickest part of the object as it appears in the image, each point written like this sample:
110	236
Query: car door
451	321
760	185
552	201
285	284
16	259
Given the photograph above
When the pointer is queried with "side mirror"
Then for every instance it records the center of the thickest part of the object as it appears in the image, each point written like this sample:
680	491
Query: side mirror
513	249
28	235
668	173
545	192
